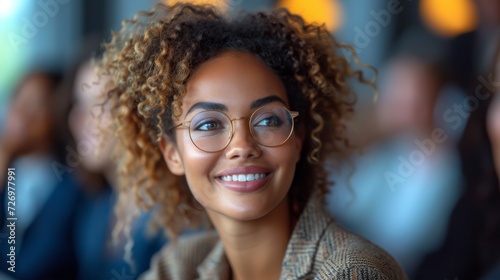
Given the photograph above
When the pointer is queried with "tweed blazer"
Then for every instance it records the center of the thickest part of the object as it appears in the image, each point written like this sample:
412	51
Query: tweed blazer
319	248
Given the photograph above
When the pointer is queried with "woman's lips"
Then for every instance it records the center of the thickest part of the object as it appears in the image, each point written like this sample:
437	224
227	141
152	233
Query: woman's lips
244	179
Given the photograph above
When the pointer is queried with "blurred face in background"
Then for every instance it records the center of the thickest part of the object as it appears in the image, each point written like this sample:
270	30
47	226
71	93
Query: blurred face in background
489	11
493	119
407	100
89	121
30	121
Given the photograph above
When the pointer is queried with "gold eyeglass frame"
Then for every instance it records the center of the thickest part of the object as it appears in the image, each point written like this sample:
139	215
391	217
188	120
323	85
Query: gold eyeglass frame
187	124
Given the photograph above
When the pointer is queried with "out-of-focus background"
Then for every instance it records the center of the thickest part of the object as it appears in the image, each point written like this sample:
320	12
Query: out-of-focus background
424	186
48	33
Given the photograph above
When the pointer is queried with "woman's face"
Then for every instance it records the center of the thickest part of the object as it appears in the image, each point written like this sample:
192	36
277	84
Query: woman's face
30	119
234	83
94	142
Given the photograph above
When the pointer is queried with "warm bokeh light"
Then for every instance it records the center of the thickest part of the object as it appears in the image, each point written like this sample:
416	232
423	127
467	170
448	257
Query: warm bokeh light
221	4
449	17
319	11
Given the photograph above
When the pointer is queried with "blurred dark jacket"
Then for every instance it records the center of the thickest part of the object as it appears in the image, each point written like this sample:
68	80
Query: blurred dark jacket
47	250
98	258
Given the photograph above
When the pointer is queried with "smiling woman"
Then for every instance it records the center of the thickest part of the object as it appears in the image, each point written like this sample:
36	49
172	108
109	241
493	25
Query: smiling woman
232	119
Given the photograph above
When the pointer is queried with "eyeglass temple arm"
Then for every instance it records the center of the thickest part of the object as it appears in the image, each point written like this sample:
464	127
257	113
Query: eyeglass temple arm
185	124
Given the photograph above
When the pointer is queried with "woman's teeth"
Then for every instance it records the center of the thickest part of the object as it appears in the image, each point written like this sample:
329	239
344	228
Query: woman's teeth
242	177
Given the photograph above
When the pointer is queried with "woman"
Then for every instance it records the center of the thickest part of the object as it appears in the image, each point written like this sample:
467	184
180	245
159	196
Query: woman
46	198
493	115
235	118
493	127
97	257
471	249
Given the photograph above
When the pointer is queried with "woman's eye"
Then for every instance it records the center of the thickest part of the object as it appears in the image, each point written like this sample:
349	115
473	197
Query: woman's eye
208	126
270	121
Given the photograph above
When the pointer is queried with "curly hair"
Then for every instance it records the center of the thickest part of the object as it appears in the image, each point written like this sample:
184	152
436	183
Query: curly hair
153	57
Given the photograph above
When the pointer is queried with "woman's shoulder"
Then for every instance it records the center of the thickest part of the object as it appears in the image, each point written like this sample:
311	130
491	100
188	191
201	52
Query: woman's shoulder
325	250
179	260
349	256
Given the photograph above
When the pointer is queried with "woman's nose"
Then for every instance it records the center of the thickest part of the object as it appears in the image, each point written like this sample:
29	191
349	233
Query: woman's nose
242	144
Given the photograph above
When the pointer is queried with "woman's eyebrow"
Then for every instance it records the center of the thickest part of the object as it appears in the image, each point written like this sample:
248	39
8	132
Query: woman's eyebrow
266	100
212	106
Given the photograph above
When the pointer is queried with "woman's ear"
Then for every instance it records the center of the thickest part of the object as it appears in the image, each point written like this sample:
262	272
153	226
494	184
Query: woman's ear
171	156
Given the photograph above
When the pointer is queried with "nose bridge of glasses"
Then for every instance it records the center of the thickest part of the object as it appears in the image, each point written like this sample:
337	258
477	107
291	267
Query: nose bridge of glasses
233	120
245	133
238	119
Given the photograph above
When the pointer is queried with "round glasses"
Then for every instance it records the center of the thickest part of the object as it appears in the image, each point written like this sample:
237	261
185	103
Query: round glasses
211	131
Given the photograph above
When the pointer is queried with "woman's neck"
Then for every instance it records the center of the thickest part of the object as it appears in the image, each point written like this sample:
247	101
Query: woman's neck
255	249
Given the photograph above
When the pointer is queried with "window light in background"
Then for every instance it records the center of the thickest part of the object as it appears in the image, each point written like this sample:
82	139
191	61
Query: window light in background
319	11
13	59
449	18
7	8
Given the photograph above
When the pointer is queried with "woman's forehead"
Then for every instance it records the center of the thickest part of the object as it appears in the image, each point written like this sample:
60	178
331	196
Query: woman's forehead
233	77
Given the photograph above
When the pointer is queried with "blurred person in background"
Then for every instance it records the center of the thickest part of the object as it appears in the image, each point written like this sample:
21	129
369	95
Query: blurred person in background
493	117
444	202
468	62
493	126
406	182
472	246
98	257
45	201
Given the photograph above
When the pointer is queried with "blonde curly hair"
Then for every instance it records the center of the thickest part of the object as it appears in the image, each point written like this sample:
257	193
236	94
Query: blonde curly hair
152	58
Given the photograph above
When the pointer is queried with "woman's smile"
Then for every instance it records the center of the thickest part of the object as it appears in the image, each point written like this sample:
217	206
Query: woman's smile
244	179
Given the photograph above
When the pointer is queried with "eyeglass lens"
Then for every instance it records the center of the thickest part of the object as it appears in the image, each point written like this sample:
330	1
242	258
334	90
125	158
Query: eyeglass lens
269	125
